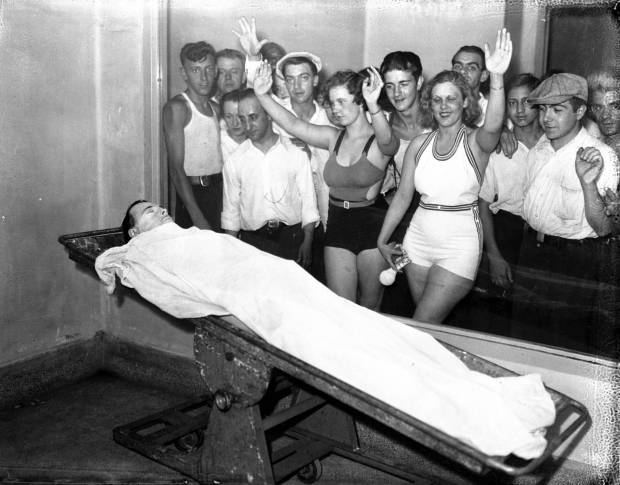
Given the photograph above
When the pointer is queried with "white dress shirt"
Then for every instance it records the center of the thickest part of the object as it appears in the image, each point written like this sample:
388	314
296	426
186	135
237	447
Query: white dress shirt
318	156
261	186
504	178
228	145
554	201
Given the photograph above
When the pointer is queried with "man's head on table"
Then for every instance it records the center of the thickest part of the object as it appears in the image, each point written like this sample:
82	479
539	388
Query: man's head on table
142	216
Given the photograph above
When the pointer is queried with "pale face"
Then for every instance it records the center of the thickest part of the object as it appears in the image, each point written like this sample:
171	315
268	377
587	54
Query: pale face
148	216
447	104
199	75
520	112
230	112
469	65
256	122
300	82
401	89
605	106
560	122
230	74
344	110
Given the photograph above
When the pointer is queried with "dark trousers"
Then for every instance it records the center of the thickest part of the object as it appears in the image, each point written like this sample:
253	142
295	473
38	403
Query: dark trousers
556	292
283	241
209	199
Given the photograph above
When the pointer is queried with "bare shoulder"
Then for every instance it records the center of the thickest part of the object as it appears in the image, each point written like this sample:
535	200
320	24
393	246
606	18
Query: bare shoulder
176	111
417	142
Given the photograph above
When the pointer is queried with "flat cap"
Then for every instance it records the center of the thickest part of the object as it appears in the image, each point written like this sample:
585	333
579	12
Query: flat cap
559	88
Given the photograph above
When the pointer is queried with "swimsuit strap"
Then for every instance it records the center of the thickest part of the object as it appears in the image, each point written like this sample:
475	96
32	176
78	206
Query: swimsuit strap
338	142
367	146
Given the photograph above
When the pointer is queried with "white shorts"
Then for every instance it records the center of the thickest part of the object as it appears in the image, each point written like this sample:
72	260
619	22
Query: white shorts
449	239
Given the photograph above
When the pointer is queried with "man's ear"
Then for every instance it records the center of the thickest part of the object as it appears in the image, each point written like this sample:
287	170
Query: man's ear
315	81
466	102
581	111
484	76
420	82
183	73
133	232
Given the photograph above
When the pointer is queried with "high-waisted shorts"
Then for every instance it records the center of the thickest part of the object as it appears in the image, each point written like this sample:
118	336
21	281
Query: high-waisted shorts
355	229
449	239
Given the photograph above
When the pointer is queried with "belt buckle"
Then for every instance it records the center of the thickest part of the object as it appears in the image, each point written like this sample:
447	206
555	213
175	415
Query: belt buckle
204	180
273	225
346	204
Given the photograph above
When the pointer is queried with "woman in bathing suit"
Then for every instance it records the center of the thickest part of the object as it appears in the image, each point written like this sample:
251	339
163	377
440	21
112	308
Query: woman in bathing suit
444	239
359	154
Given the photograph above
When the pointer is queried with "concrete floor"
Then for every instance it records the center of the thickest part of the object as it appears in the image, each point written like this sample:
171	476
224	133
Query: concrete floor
65	438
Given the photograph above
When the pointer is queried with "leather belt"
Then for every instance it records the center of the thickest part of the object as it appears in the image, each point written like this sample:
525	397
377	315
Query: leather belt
543	239
350	204
205	180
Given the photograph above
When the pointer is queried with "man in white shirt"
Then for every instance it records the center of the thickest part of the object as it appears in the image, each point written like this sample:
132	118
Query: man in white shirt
469	62
233	132
568	172
269	198
502	192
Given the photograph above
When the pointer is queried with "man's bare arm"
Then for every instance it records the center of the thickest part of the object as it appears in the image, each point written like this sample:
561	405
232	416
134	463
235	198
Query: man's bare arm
175	114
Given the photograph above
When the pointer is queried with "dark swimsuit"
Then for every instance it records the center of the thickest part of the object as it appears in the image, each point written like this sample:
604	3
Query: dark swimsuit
355	228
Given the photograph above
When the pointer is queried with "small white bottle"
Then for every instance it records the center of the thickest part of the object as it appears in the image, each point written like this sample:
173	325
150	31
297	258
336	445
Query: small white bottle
388	276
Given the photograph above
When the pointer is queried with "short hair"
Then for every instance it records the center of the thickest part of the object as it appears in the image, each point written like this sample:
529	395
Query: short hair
231	54
296	61
471	112
129	221
524	79
605	81
402	61
471	49
272	48
246	93
232	96
196	51
349	79
576	103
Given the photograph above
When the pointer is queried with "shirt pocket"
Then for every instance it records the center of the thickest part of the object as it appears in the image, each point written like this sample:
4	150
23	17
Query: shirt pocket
570	205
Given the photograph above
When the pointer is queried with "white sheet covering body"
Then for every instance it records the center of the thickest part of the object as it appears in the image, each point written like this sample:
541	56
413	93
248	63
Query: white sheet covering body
191	272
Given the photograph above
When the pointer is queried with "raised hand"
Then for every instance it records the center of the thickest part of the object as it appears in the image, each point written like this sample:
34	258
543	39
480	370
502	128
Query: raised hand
497	62
248	39
588	164
263	79
371	88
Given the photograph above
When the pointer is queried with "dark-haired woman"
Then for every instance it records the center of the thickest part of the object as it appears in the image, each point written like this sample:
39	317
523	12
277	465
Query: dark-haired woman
444	239
359	154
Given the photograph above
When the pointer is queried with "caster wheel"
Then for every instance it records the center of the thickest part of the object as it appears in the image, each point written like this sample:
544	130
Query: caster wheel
311	472
190	442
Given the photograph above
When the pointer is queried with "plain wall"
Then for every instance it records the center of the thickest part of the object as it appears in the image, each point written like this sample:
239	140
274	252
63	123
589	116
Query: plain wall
72	154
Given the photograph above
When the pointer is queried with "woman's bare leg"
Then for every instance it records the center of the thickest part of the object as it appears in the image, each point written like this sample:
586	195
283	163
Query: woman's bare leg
341	272
370	263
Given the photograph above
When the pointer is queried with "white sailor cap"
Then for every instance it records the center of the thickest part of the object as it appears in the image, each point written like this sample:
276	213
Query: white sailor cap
316	60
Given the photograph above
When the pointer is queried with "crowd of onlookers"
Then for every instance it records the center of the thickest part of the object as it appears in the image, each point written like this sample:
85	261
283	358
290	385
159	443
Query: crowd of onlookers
344	175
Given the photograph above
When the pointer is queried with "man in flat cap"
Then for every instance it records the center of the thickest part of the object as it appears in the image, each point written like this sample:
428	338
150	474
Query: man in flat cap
568	171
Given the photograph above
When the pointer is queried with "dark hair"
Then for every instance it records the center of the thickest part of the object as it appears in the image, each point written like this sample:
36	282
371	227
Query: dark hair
524	79
349	79
471	49
230	96
196	51
576	103
471	112
296	61
129	220
231	54
246	93
272	48
402	61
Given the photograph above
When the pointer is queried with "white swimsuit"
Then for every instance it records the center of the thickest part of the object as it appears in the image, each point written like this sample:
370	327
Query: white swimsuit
446	228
